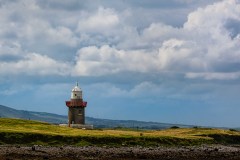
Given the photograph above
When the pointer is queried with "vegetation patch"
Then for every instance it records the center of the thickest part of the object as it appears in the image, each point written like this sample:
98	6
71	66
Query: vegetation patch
225	139
18	131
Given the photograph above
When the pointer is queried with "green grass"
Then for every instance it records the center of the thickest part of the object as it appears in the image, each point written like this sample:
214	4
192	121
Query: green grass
18	131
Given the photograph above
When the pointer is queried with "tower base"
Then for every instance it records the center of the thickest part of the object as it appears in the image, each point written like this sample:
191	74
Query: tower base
79	126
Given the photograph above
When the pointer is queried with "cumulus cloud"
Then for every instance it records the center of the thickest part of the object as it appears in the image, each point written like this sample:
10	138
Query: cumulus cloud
203	46
208	31
177	55
36	31
34	64
103	20
108	60
207	43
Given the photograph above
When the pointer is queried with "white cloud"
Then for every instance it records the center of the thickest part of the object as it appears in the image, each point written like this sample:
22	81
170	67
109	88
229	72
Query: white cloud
158	32
34	64
213	16
38	30
203	46
176	55
62	35
29	25
107	60
102	21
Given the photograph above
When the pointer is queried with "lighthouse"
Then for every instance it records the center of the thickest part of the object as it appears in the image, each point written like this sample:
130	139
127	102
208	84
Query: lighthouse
76	108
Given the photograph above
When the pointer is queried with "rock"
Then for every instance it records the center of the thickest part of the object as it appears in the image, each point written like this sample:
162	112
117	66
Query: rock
33	148
95	153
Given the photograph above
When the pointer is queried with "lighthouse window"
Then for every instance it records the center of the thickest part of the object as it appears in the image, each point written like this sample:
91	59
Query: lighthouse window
75	94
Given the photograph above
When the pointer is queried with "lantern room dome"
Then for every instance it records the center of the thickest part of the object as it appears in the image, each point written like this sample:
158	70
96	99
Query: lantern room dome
76	88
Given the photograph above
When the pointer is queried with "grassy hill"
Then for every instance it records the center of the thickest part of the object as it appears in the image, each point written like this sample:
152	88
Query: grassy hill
8	112
18	131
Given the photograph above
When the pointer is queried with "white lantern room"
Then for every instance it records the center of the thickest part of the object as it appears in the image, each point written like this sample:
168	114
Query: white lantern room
76	92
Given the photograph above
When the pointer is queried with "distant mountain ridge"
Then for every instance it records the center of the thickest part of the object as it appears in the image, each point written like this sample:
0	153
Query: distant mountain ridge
97	122
40	116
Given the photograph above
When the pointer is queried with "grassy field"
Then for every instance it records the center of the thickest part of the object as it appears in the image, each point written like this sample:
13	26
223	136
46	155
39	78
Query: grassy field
18	131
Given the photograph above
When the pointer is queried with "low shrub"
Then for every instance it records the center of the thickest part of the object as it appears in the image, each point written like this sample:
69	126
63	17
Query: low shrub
174	127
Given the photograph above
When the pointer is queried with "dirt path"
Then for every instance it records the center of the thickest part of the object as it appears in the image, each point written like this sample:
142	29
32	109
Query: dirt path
216	152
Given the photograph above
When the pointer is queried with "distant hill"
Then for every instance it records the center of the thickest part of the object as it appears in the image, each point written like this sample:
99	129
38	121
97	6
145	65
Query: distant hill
40	116
97	122
108	123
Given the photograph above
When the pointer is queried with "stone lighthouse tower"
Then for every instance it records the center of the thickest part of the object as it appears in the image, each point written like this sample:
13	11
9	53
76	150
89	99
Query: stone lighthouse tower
76	108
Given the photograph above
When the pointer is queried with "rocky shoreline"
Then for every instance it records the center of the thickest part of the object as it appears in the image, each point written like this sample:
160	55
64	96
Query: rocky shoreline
209	152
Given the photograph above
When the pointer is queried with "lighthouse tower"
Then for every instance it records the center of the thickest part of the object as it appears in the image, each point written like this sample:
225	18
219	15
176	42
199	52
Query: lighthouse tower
76	107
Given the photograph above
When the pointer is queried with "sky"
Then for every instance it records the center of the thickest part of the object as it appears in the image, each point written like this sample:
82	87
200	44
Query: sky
170	61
